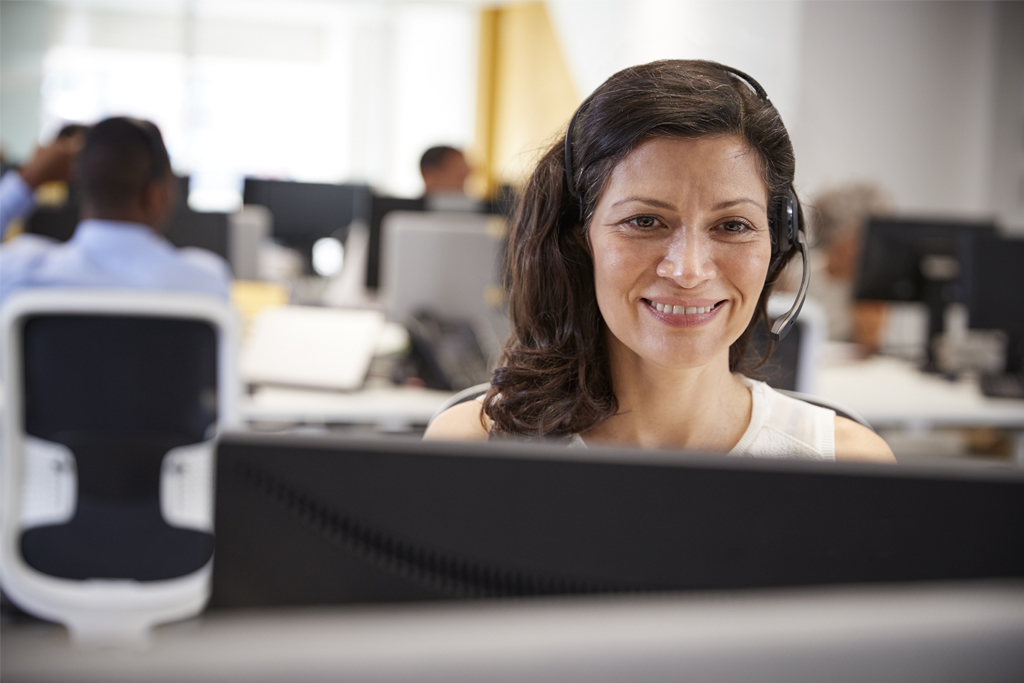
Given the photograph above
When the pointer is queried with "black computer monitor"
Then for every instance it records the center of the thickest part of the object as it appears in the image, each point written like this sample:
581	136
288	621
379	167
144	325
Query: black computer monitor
995	293
379	207
317	520
203	229
917	260
306	212
55	222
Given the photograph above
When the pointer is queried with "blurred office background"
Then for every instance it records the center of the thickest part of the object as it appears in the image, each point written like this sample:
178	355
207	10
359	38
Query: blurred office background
921	100
926	99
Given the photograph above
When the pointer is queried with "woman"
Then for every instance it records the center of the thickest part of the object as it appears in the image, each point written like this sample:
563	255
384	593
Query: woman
641	259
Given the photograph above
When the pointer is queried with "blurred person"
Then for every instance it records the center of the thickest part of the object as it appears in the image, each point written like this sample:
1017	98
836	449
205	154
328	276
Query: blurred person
49	163
642	254
444	170
127	193
838	218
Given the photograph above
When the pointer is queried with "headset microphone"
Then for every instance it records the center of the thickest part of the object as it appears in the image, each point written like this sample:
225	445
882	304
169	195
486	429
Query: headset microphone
784	323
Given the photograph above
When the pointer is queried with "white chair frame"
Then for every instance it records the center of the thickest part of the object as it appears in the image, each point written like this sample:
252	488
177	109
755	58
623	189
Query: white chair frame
104	611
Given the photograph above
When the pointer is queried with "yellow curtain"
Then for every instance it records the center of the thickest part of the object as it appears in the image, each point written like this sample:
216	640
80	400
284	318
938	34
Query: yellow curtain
525	94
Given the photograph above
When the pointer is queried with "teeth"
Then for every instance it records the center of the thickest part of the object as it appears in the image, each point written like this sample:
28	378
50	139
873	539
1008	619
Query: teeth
681	310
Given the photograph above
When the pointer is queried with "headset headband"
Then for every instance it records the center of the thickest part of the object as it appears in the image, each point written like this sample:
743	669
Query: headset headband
750	81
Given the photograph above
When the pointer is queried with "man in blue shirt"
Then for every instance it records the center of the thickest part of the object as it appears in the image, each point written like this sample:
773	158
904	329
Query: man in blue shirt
128	193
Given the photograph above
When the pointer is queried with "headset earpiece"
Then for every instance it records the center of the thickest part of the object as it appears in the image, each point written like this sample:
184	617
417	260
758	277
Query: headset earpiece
787	231
785	224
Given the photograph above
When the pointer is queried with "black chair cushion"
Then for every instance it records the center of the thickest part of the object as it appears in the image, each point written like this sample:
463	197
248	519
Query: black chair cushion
119	392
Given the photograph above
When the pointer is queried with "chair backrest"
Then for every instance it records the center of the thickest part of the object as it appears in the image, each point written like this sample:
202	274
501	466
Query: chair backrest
467	394
112	402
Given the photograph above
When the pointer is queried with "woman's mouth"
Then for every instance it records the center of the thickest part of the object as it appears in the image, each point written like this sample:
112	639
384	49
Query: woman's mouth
682	315
682	310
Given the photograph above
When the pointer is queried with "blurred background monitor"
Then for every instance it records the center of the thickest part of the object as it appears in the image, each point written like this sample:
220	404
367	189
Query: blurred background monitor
995	300
917	260
56	221
380	207
319	520
306	212
207	230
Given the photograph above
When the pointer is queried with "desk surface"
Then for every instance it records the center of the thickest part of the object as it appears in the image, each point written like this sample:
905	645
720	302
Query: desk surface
944	632
385	406
892	392
885	391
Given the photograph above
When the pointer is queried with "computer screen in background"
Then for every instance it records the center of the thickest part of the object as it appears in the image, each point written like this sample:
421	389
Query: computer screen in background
56	222
501	205
306	212
379	208
995	300
917	260
304	520
206	230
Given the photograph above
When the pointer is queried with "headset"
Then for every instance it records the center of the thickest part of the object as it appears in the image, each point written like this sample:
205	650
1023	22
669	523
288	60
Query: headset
784	225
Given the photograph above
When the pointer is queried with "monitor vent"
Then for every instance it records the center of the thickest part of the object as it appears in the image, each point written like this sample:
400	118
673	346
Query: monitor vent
434	569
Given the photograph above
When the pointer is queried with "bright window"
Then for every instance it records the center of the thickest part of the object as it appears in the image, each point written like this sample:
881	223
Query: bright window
322	91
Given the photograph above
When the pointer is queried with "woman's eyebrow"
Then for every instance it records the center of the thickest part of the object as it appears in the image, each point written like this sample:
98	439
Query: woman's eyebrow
646	200
733	202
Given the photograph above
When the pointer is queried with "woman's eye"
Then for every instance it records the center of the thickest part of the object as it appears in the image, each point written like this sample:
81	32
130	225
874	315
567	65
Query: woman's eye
735	227
645	222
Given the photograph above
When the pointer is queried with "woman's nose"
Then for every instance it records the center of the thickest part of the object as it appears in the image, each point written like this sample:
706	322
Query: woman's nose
688	261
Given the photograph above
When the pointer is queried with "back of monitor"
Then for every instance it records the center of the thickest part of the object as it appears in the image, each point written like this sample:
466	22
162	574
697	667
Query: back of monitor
448	264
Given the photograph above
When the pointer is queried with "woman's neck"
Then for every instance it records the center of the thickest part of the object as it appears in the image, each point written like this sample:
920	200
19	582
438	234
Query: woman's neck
704	408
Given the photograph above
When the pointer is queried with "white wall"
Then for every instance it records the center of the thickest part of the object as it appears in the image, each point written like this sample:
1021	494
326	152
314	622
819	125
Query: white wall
902	94
761	38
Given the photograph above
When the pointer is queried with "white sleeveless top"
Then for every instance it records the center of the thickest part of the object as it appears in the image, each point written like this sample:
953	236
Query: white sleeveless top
780	427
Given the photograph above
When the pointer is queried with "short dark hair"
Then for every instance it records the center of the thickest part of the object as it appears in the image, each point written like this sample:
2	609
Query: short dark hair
435	157
554	377
71	129
120	157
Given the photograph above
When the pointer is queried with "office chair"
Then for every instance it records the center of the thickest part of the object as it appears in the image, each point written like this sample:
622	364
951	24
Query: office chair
475	392
112	401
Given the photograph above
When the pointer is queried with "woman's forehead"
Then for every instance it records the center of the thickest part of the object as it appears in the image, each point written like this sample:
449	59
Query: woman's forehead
672	168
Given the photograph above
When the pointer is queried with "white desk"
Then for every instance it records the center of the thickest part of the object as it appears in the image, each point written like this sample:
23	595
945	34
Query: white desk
385	407
935	632
889	392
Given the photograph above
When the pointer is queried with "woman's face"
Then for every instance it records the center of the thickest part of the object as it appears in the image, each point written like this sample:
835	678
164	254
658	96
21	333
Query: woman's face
681	249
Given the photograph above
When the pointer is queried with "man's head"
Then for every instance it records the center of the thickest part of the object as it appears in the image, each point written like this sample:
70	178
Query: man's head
124	173
444	170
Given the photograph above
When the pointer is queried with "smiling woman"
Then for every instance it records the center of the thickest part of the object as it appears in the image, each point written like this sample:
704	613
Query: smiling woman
642	255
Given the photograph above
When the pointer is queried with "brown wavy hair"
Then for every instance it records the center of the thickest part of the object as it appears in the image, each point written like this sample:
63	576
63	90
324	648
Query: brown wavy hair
554	377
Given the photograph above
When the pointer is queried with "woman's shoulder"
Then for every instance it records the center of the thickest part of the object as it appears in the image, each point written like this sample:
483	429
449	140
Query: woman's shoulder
820	428
857	442
462	422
